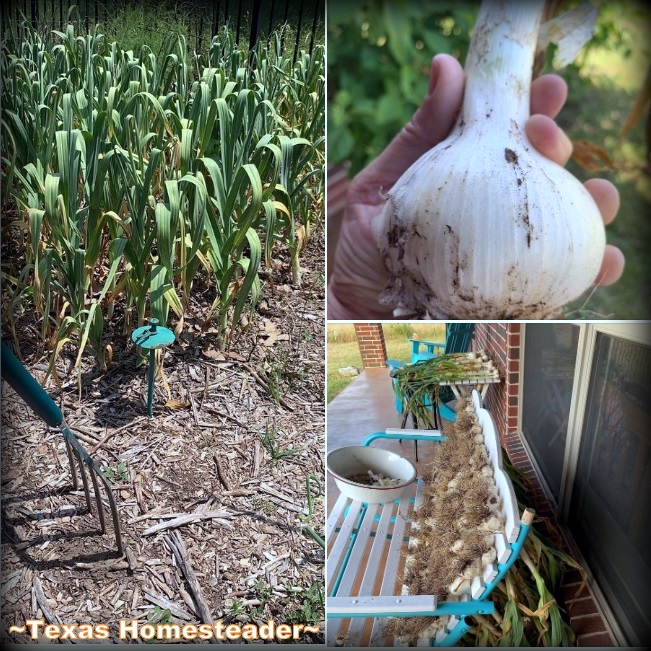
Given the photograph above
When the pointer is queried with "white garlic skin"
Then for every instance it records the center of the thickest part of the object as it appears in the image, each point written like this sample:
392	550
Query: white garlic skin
486	227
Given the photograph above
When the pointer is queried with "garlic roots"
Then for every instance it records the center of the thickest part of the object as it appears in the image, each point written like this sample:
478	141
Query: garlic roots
483	226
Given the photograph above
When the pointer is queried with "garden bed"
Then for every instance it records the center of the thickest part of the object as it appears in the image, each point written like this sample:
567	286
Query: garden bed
232	441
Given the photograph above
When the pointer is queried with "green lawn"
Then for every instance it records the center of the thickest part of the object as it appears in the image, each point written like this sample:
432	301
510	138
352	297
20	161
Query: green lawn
343	350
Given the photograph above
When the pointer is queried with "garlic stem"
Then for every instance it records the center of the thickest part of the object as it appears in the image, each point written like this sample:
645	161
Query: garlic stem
500	62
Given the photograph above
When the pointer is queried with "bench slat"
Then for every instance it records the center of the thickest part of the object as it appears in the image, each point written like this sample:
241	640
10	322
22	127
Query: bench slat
343	539
354	561
356	627
371	605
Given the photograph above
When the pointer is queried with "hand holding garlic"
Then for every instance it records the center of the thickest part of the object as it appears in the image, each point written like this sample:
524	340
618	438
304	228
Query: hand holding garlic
359	274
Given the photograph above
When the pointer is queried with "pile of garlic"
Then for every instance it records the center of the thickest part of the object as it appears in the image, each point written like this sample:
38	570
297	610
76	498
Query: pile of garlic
452	538
379	480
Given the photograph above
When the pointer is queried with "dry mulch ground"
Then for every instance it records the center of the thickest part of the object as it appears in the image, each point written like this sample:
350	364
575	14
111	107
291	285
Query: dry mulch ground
211	491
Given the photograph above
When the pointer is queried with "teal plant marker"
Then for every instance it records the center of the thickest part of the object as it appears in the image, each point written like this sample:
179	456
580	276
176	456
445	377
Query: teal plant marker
151	337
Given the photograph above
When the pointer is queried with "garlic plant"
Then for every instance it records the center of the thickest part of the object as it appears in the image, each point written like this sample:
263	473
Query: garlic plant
482	225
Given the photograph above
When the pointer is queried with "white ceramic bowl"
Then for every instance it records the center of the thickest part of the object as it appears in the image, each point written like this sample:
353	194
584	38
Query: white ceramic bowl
352	461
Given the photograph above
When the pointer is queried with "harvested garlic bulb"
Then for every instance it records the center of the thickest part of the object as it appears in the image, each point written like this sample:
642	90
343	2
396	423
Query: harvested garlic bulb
483	226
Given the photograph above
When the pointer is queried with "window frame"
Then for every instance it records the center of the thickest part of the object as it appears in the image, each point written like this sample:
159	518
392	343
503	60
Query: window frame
635	332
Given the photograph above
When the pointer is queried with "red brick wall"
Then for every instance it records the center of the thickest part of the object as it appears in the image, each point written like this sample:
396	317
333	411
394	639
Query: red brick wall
370	338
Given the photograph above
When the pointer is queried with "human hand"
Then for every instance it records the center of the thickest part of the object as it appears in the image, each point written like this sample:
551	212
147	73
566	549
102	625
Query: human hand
359	274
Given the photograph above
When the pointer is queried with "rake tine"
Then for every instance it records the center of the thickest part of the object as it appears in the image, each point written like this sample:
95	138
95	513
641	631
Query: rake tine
98	500
113	506
84	480
73	470
96	473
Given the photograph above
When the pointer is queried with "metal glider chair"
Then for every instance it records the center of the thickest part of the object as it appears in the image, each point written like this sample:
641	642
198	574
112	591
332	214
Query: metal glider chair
457	340
362	538
45	408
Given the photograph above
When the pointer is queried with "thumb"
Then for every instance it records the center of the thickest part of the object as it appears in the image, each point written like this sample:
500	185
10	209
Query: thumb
430	124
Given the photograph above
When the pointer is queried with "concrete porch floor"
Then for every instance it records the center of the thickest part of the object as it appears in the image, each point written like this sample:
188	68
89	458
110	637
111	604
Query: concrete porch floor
365	406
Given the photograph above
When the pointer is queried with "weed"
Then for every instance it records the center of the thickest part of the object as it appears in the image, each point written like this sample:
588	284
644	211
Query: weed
309	605
237	607
262	590
310	508
306	335
274	382
274	448
115	474
265	506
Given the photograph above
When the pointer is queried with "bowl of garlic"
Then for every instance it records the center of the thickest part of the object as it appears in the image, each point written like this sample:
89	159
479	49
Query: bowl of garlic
370	475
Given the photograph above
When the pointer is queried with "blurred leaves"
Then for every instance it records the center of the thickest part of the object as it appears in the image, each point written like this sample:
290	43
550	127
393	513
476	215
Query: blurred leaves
378	64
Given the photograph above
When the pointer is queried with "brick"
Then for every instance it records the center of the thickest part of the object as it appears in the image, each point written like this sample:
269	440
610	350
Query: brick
570	591
595	639
572	576
581	606
586	624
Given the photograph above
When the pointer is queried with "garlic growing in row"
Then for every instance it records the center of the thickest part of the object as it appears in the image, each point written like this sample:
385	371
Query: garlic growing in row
483	226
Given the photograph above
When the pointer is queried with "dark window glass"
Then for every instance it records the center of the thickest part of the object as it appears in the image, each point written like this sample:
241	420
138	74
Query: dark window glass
549	359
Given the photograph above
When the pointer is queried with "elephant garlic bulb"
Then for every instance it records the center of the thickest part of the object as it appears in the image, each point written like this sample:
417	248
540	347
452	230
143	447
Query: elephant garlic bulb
483	226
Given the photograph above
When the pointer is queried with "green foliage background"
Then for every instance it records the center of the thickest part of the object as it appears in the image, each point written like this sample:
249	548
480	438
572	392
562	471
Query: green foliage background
379	54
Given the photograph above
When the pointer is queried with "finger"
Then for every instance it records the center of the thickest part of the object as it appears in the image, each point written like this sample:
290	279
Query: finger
548	94
612	266
430	124
545	135
606	196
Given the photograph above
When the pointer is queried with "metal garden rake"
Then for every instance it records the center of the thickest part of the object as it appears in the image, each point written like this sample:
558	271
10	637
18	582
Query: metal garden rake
43	406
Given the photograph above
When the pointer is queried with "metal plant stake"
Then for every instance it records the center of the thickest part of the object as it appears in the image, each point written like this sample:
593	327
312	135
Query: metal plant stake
152	337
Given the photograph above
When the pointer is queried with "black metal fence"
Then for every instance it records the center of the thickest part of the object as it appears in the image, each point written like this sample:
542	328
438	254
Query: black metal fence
249	19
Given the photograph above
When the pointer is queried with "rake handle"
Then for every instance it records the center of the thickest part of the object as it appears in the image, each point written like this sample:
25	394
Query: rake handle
26	386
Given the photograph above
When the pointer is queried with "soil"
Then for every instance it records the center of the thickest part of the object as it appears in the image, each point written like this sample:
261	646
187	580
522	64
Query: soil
217	474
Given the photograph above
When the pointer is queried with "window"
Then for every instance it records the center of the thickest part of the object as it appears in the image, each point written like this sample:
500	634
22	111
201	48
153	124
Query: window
550	350
610	502
586	419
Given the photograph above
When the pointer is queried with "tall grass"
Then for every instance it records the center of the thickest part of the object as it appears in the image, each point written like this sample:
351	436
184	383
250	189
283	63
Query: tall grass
130	175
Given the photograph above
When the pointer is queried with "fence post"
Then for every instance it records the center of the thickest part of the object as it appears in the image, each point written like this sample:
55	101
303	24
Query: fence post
255	29
271	17
35	14
298	31
239	22
215	18
317	8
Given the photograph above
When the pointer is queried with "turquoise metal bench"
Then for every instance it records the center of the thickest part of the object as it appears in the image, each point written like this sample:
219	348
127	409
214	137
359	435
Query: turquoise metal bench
368	546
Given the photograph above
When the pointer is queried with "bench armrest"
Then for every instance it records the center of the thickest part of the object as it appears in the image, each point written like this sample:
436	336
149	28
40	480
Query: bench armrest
407	435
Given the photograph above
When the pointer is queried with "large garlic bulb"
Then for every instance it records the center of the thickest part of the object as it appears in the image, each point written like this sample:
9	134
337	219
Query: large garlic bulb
483	226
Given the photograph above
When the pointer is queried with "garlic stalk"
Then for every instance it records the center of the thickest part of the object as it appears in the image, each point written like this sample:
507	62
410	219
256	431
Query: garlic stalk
482	225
